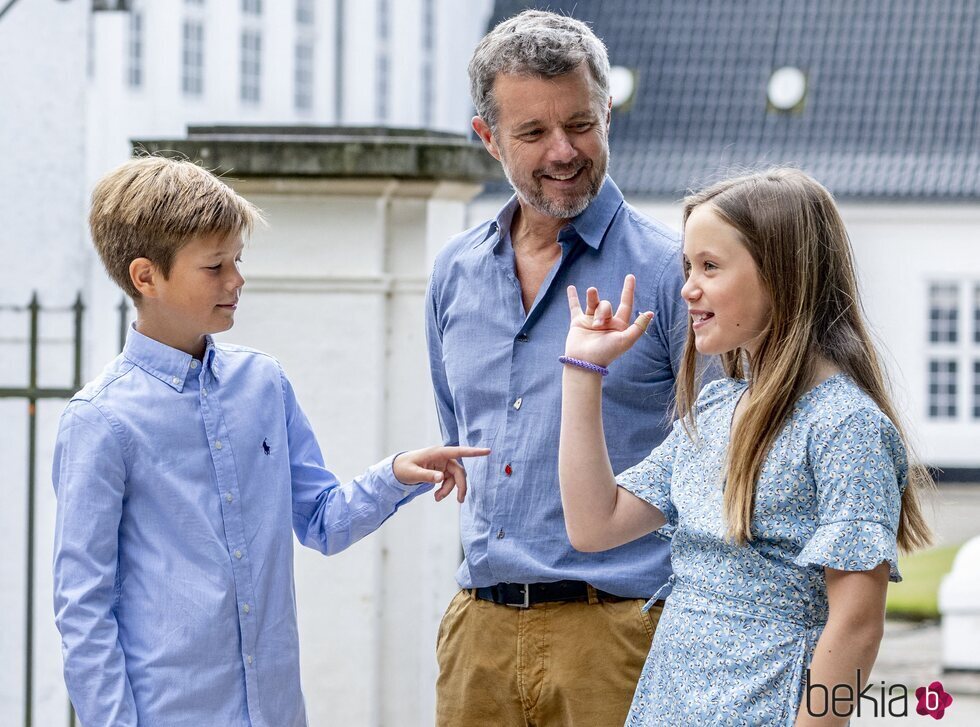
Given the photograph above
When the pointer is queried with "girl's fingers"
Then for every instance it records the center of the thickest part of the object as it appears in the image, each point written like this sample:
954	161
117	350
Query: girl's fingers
591	301
625	310
603	313
574	306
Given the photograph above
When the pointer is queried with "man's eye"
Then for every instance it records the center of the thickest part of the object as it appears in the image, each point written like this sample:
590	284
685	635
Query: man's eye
584	126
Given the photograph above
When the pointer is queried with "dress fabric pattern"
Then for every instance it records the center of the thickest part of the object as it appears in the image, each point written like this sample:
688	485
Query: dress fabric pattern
741	622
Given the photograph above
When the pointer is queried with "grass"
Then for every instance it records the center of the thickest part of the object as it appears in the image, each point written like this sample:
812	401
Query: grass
917	596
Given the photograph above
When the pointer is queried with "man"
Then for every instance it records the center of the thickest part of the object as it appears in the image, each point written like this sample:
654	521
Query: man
540	633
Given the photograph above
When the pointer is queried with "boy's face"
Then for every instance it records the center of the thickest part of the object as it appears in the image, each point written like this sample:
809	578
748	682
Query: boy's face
198	297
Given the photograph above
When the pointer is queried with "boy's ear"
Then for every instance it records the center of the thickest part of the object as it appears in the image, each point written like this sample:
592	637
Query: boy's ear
143	274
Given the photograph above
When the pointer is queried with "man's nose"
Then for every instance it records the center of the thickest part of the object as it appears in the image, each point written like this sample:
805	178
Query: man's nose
560	148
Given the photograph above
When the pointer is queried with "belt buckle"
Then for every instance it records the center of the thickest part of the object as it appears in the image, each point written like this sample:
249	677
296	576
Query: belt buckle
527	598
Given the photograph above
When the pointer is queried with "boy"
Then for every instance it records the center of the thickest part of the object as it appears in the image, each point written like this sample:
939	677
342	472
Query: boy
179	472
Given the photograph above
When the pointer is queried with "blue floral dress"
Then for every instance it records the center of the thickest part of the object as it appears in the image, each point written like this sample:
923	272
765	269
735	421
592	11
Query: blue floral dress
741	622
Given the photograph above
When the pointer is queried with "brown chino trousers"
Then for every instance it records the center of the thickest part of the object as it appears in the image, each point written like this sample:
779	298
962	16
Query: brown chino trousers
566	664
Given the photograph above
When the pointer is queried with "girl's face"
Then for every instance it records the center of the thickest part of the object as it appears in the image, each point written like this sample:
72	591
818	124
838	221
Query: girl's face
726	299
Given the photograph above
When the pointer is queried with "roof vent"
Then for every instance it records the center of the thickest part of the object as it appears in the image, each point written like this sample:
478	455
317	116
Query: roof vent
622	86
787	89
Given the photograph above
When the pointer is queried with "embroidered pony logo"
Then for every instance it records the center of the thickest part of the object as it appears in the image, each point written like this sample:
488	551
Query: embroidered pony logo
266	448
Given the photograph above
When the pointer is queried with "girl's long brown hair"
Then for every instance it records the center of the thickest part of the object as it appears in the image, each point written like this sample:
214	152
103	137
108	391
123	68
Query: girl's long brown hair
791	226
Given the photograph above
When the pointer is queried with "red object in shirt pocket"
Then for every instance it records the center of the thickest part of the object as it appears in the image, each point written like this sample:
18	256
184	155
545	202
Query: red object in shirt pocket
508	471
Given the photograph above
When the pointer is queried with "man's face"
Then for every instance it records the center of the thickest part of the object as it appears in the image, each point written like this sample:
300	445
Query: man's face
551	138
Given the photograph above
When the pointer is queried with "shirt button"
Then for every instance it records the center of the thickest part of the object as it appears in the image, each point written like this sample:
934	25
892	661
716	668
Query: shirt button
217	444
517	404
238	554
249	658
508	470
246	608
228	497
175	381
193	363
204	392
500	534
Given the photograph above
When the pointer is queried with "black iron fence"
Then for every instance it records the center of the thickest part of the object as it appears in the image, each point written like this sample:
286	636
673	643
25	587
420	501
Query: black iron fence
32	393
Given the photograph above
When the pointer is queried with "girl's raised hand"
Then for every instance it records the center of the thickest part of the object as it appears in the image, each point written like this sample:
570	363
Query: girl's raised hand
597	335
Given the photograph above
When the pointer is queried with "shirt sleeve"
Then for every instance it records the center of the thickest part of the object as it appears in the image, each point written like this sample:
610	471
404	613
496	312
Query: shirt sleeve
89	477
650	479
437	370
860	469
327	515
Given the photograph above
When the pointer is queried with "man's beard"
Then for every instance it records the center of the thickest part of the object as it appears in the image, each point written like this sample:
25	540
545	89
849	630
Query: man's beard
567	207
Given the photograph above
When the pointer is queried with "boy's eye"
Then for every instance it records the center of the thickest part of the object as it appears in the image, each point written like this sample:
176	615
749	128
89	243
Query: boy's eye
214	267
708	265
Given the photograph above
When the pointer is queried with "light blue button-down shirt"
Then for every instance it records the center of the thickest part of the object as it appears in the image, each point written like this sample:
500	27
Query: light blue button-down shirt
178	484
497	383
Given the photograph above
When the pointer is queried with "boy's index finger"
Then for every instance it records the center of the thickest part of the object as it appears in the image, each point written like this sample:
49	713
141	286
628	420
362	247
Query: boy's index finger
455	452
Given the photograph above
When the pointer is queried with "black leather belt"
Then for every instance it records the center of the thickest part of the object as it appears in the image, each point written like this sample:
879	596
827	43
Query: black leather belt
525	595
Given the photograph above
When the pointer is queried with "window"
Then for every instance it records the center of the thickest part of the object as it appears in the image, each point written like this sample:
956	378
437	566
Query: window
976	314
428	52
251	66
304	12
192	75
252	7
382	64
942	389
976	389
134	71
943	312
303	76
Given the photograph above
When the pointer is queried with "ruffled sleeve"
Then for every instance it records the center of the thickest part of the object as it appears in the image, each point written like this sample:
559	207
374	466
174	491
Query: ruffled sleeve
650	479
860	469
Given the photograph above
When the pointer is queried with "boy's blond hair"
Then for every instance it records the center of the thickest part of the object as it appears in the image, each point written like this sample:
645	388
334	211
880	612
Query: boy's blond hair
152	206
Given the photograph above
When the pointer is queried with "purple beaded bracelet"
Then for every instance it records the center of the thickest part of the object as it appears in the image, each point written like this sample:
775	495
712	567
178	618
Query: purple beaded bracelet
595	368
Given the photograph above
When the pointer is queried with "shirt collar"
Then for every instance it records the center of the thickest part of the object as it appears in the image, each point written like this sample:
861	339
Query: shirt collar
164	362
591	225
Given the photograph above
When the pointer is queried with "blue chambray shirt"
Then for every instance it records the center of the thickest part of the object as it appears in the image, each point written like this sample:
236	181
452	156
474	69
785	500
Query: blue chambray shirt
178	485
497	384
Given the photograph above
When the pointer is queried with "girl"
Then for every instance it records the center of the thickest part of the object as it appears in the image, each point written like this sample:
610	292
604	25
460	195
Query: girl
786	485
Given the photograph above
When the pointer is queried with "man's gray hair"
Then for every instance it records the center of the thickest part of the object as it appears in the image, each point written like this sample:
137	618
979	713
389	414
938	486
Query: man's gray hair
535	43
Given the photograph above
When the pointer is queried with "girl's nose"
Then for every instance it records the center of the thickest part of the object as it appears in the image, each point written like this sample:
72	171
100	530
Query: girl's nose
690	290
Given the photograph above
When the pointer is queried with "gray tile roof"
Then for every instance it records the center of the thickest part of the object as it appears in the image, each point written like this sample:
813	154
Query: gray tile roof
893	92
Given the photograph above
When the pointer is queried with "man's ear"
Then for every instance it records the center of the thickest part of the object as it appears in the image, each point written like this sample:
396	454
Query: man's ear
486	136
143	274
608	113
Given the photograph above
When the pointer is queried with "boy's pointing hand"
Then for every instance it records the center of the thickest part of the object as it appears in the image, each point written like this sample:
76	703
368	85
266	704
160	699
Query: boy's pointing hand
438	465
